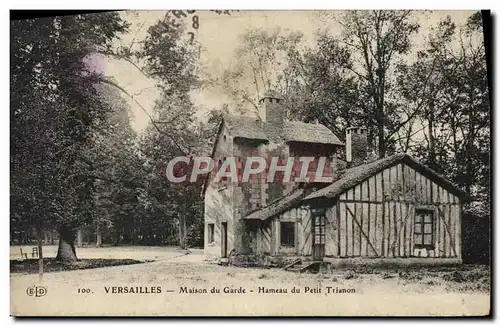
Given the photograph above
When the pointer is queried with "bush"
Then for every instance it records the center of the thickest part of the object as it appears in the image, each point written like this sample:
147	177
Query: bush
476	239
195	232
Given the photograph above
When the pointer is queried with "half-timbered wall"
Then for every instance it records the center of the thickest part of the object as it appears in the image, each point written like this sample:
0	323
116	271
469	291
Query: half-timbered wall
269	241
376	218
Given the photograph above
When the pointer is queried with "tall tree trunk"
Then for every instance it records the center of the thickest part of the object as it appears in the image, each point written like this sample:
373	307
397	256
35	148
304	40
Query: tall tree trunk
181	238
116	240
380	72
381	142
45	238
469	164
79	238
182	231
432	143
40	255
98	242
66	251
184	228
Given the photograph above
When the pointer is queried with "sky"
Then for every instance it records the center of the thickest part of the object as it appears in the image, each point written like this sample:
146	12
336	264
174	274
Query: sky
218	37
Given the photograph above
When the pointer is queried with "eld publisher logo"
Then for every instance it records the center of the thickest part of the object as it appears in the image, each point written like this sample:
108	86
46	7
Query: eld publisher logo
36	291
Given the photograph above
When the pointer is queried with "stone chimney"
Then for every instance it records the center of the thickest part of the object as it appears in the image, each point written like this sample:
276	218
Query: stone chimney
356	146
272	113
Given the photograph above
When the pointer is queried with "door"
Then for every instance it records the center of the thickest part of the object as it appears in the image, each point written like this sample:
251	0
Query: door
318	237
223	238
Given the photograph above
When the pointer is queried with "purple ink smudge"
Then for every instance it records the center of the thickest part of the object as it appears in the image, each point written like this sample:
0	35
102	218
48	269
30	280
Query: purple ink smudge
96	63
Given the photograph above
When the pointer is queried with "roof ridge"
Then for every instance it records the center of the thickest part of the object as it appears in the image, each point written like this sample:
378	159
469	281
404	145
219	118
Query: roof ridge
299	131
358	174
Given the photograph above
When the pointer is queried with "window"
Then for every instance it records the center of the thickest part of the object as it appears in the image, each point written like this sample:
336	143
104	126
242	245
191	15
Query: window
288	234
424	222
222	184
210	233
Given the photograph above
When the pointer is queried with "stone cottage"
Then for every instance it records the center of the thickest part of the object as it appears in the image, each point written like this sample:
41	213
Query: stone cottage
393	207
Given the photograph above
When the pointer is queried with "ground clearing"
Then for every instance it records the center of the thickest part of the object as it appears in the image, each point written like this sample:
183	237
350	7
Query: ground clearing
431	291
31	266
119	252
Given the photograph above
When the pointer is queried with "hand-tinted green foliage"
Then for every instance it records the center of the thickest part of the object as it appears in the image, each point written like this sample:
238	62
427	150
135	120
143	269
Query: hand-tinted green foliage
54	106
429	99
76	161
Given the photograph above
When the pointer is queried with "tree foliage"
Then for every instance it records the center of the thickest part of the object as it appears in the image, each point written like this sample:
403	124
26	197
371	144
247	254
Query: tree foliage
455	110
260	57
76	162
54	106
430	101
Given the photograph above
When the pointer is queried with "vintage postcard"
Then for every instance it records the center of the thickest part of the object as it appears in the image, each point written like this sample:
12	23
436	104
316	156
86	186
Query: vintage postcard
250	163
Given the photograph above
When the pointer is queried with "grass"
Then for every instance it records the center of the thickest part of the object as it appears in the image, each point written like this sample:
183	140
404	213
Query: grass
30	266
419	278
118	252
455	278
449	290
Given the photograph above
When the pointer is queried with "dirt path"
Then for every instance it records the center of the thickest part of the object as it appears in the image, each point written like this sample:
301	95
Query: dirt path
121	252
370	293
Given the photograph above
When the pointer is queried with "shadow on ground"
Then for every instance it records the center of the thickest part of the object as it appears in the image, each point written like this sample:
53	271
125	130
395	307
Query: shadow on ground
30	266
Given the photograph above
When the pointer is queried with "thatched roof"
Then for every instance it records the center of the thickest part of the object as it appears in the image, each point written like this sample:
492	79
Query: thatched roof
273	94
356	175
349	179
245	127
310	133
254	128
278	206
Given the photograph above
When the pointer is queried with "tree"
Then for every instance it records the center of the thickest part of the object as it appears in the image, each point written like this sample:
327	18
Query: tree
323	89
171	61
345	81
423	86
156	204
260	58
377	38
117	168
454	107
54	104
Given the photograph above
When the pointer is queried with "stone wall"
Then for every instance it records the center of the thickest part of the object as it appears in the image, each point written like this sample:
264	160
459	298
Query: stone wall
278	188
218	203
248	196
298	150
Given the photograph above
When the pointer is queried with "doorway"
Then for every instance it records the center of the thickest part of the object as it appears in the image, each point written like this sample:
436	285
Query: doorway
318	236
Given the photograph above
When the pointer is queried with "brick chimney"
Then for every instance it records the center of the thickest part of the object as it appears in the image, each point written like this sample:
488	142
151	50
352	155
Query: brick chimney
356	146
272	113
